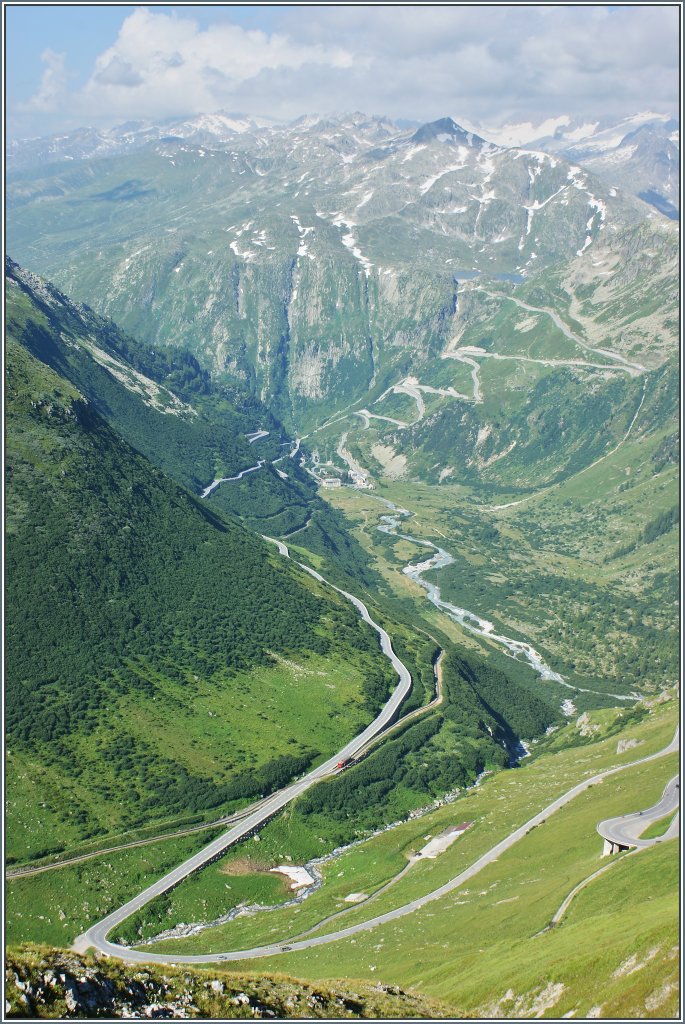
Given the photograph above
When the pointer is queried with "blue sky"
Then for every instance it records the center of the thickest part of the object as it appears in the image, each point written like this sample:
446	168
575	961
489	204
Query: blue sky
100	64
83	31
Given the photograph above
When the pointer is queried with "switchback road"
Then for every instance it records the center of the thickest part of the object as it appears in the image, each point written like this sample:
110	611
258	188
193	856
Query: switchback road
626	830
96	936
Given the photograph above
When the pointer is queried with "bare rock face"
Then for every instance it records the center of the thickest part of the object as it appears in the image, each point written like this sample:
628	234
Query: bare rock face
624	745
585	726
87	990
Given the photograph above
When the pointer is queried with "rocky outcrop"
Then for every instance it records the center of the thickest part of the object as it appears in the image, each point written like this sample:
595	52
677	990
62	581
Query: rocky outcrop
51	983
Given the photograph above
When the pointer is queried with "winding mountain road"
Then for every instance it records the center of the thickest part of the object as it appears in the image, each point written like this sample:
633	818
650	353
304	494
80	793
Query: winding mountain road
633	369
38	869
227	479
411	715
96	936
625	831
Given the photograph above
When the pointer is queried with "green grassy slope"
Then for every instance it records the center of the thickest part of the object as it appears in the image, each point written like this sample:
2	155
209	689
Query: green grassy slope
479	947
442	752
471	731
151	642
169	409
586	571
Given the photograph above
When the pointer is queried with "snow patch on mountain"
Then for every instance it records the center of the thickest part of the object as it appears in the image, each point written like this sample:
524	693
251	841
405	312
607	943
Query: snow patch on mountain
429	182
518	135
350	242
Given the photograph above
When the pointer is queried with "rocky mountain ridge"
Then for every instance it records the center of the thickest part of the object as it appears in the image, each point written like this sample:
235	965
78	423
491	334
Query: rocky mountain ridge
639	153
310	262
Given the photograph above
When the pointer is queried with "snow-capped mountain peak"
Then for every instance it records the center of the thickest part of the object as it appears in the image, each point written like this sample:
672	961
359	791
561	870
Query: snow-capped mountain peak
446	130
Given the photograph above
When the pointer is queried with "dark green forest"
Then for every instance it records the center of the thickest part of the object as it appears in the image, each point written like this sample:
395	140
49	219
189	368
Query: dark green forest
484	716
121	583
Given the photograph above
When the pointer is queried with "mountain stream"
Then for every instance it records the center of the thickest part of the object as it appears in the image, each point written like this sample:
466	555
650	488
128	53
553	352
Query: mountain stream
517	649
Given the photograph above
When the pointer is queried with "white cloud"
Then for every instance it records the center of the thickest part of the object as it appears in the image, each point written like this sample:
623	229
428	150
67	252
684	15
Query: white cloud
163	64
489	64
53	84
512	61
118	72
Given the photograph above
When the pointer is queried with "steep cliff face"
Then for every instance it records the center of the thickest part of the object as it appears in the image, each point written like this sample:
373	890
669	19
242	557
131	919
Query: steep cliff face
313	262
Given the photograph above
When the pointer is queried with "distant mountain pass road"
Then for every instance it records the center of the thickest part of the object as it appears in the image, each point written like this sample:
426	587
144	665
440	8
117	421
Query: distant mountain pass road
96	936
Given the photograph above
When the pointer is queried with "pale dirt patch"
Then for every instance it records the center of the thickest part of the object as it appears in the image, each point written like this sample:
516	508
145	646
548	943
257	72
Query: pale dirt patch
453	343
483	434
394	465
585	726
246	866
298	877
299	670
529	1004
661	698
548	998
633	963
484	463
153	394
527	324
659	997
441	843
624	745
291	877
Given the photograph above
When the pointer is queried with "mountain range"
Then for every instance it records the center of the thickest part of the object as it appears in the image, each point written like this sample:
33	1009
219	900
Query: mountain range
640	153
318	262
